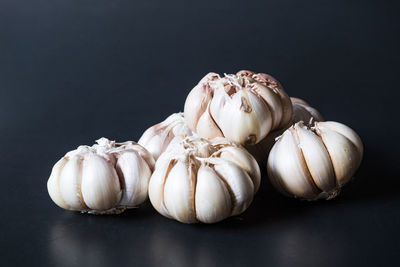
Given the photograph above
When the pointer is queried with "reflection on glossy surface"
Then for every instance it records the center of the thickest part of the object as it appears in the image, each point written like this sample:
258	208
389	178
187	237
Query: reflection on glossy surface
104	241
70	244
300	245
88	240
275	231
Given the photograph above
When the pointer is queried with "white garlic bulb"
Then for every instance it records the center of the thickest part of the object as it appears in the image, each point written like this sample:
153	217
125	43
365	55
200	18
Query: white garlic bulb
105	178
314	162
302	111
200	180
242	107
157	138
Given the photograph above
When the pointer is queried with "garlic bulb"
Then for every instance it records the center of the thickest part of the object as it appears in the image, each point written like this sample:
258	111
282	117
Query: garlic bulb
200	180
157	138
302	111
242	107
105	178
314	162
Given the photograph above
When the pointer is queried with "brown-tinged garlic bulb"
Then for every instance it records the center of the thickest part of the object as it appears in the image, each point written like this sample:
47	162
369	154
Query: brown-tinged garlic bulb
242	107
302	111
105	178
200	180
314	162
157	138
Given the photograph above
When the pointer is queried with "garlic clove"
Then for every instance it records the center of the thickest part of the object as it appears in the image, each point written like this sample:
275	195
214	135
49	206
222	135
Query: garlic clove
212	199
264	114
142	152
100	185
272	101
289	163
245	160
317	158
273	168
206	126
197	101
179	192
53	186
134	171
344	154
238	183
154	142
276	86
157	181
70	179
344	130
250	113
157	138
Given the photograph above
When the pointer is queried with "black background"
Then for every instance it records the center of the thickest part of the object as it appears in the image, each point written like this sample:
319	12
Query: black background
73	71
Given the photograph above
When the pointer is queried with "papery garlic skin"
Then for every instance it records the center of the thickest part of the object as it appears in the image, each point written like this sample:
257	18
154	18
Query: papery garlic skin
200	180
314	162
105	178
242	107
302	111
157	138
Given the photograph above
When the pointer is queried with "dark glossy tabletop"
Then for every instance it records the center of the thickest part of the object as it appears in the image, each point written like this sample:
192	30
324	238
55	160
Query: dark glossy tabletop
73	71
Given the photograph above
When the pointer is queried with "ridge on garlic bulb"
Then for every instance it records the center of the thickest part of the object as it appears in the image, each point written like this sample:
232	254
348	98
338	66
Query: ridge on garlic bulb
302	111
313	162
107	177
157	138
242	107
201	180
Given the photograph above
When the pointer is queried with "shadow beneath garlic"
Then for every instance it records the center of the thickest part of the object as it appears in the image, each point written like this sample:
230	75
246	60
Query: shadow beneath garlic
144	210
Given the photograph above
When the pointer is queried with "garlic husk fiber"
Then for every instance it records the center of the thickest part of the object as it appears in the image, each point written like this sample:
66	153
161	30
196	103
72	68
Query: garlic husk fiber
157	138
203	180
242	107
313	162
107	177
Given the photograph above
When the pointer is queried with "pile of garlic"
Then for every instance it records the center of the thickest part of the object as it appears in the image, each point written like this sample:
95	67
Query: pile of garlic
201	165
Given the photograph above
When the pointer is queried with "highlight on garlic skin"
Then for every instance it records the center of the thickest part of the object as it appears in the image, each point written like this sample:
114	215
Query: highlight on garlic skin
201	180
105	178
243	107
157	138
302	111
314	162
